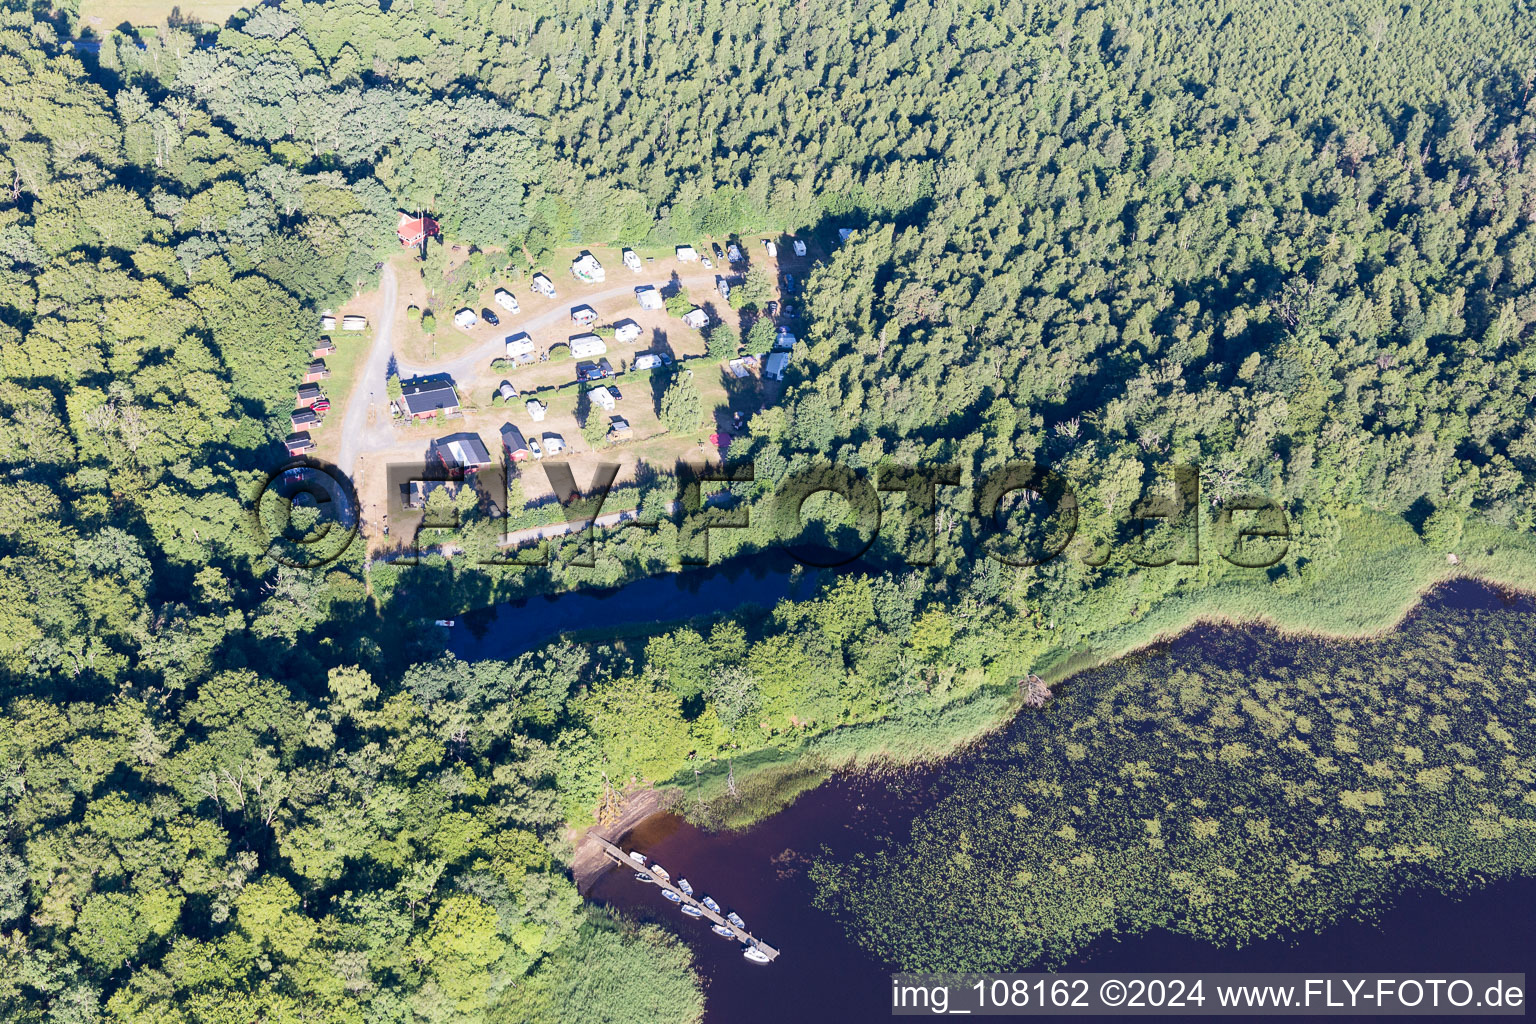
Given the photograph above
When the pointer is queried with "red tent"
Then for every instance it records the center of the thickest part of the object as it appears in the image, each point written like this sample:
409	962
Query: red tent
415	230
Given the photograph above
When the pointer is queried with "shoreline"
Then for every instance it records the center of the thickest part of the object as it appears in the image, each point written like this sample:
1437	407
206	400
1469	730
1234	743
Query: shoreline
588	863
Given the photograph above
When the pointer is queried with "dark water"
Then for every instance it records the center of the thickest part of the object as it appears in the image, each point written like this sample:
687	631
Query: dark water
507	630
823	976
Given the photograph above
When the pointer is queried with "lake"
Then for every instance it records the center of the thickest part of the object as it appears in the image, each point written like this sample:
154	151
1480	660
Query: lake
824	976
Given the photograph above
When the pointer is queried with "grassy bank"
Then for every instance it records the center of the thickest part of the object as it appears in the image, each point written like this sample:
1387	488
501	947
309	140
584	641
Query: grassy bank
1379	572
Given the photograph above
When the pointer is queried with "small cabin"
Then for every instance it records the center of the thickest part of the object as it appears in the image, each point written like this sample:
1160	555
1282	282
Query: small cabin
316	371
324	347
327	322
299	443
309	394
416	230
461	452
302	418
618	430
427	398
513	444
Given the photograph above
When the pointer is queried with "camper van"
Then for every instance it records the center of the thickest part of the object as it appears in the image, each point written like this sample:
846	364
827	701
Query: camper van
773	250
798	245
465	318
586	346
506	300
543	285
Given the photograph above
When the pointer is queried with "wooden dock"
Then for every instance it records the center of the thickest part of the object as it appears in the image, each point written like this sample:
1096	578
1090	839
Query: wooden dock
629	862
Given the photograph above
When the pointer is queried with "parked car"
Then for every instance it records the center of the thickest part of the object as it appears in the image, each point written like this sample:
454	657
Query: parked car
719	252
534	449
708	263
789	284
323	405
490	318
593	371
773	310
613	389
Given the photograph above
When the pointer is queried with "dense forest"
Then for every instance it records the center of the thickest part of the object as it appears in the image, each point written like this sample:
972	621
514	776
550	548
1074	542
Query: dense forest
1293	246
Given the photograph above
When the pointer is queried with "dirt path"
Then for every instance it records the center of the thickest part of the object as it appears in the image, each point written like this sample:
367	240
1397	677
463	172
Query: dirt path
589	860
369	392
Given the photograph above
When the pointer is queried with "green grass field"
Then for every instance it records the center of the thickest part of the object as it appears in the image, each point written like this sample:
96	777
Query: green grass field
103	15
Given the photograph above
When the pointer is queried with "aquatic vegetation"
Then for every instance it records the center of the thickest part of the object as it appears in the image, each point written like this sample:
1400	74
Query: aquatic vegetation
1232	786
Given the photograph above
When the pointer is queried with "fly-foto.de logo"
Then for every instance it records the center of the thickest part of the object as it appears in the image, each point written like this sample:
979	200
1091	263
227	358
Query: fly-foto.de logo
824	515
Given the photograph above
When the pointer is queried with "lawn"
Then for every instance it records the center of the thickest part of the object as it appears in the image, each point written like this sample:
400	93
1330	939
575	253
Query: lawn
104	15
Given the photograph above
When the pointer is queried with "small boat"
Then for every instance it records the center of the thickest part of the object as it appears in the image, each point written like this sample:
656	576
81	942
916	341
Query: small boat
641	876
669	894
445	622
711	904
736	920
723	931
756	955
660	872
691	911
682	883
638	858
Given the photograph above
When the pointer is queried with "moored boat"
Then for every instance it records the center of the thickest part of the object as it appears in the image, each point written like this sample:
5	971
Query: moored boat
682	883
691	910
660	872
639	858
736	920
641	876
669	894
724	931
711	904
756	955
